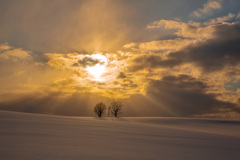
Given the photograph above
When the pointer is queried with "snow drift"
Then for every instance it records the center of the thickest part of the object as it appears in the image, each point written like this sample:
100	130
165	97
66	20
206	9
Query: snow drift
26	136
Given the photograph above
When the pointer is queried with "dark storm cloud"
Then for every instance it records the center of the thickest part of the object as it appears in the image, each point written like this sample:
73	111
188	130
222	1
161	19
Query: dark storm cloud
214	54
153	61
177	96
87	61
121	75
211	55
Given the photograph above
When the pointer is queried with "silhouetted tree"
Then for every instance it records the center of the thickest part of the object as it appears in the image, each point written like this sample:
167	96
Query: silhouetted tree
116	108
99	109
109	110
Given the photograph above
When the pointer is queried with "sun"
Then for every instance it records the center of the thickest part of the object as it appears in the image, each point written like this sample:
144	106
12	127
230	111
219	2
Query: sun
99	69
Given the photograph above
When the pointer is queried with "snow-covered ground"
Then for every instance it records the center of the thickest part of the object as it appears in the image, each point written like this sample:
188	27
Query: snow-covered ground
25	136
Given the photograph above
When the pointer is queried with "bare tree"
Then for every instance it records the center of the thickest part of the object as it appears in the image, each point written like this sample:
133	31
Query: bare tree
109	110
99	109
116	108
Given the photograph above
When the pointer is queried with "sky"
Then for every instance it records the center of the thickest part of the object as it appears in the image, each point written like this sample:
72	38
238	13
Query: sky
158	57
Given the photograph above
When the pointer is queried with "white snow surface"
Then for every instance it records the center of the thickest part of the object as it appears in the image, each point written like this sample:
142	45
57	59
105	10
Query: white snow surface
25	136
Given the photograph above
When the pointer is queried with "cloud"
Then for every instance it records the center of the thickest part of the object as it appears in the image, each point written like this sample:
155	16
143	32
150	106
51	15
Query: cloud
152	61
208	8
156	72
87	61
164	68
238	16
14	54
216	53
188	33
220	20
129	45
21	73
188	29
113	83
4	46
81	26
121	75
78	104
164	45
180	95
212	59
166	24
160	45
212	54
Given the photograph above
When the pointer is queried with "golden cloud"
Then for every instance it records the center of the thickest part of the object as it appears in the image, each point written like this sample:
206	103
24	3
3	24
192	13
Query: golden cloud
13	54
218	20
4	47
208	7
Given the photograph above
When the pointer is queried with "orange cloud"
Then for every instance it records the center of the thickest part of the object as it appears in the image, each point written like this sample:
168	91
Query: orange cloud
4	47
14	54
166	24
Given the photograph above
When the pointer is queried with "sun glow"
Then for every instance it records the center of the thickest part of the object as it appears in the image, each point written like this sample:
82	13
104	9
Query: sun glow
99	69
